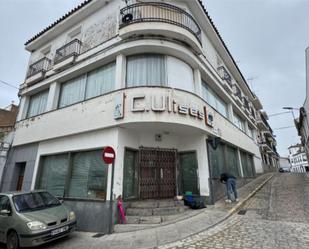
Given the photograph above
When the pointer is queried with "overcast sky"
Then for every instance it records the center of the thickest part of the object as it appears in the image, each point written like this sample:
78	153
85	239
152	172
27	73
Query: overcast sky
267	39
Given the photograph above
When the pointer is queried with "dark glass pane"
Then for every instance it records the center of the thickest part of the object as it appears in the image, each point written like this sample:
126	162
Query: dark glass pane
232	162
216	161
130	179
89	175
54	170
244	163
188	172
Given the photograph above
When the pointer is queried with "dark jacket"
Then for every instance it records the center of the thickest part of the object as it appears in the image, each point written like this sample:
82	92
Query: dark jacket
225	176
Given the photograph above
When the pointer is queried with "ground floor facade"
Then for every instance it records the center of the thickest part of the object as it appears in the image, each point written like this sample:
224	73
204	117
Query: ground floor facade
160	154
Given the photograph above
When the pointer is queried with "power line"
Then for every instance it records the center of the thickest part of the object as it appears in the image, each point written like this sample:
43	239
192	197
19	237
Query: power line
276	114
8	84
286	127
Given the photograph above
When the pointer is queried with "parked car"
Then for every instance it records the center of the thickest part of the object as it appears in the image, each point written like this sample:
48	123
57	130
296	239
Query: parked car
30	219
283	170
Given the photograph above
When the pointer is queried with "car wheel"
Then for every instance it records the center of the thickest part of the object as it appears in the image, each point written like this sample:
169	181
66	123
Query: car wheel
12	241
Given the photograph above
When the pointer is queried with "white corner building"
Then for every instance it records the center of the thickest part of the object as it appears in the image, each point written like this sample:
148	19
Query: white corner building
298	159
155	81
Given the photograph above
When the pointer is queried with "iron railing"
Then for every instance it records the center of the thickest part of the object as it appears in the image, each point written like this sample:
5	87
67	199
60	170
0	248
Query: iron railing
41	65
159	12
70	49
224	74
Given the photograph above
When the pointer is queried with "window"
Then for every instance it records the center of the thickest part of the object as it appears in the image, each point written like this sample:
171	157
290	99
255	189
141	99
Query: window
251	132
232	161
101	81
239	122
37	104
72	91
179	74
247	164
5	203
223	159
79	175
214	100
89	175
216	161
95	83
146	70
54	170
188	172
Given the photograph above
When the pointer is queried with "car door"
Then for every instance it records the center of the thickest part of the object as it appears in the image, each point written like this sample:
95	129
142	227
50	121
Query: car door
4	218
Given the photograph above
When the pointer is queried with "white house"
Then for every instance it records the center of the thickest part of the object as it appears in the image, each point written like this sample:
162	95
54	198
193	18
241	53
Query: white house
155	81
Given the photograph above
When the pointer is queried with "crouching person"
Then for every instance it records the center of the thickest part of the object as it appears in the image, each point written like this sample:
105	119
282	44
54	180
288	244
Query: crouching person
230	182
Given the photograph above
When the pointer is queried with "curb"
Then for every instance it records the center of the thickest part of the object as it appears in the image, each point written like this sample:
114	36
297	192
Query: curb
243	202
230	213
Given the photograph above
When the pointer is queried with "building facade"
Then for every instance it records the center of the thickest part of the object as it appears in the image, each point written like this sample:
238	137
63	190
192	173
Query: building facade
298	159
7	122
155	81
267	143
302	123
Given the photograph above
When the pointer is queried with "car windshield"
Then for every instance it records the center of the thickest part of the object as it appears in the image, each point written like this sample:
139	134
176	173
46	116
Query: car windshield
34	201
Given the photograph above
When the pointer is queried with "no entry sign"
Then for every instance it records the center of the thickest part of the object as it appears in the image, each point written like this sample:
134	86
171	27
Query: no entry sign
108	155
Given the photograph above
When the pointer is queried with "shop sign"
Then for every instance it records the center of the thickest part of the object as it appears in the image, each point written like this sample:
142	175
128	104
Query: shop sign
141	103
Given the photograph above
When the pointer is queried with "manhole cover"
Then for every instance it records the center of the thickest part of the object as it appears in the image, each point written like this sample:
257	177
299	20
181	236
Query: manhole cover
242	212
98	235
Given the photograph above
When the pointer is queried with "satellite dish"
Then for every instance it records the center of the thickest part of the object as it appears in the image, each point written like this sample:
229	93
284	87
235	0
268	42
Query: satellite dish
127	18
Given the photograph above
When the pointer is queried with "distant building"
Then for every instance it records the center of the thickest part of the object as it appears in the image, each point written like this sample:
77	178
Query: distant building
7	121
267	142
298	159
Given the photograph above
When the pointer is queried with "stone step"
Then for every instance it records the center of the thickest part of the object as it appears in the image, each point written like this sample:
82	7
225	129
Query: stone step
155	211
155	203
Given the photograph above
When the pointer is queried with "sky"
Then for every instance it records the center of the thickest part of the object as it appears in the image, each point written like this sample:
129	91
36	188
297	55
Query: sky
267	39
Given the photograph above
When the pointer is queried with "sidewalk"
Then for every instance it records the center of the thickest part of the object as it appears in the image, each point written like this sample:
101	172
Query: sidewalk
158	236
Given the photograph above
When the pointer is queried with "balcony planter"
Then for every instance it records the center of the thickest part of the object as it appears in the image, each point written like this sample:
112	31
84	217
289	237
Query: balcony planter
37	70
65	63
35	78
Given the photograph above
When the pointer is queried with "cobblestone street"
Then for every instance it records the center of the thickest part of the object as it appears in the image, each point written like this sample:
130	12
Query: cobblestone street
276	217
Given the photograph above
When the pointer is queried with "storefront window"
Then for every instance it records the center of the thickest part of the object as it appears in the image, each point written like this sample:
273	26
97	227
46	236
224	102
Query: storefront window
146	70
188	172
37	104
78	175
223	159
247	164
130	176
216	161
232	161
54	170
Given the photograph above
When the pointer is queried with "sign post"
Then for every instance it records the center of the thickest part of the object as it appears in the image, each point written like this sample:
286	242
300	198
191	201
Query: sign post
108	156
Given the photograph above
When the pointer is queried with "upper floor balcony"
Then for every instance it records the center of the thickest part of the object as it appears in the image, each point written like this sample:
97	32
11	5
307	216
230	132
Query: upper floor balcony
262	123
37	70
67	54
174	22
